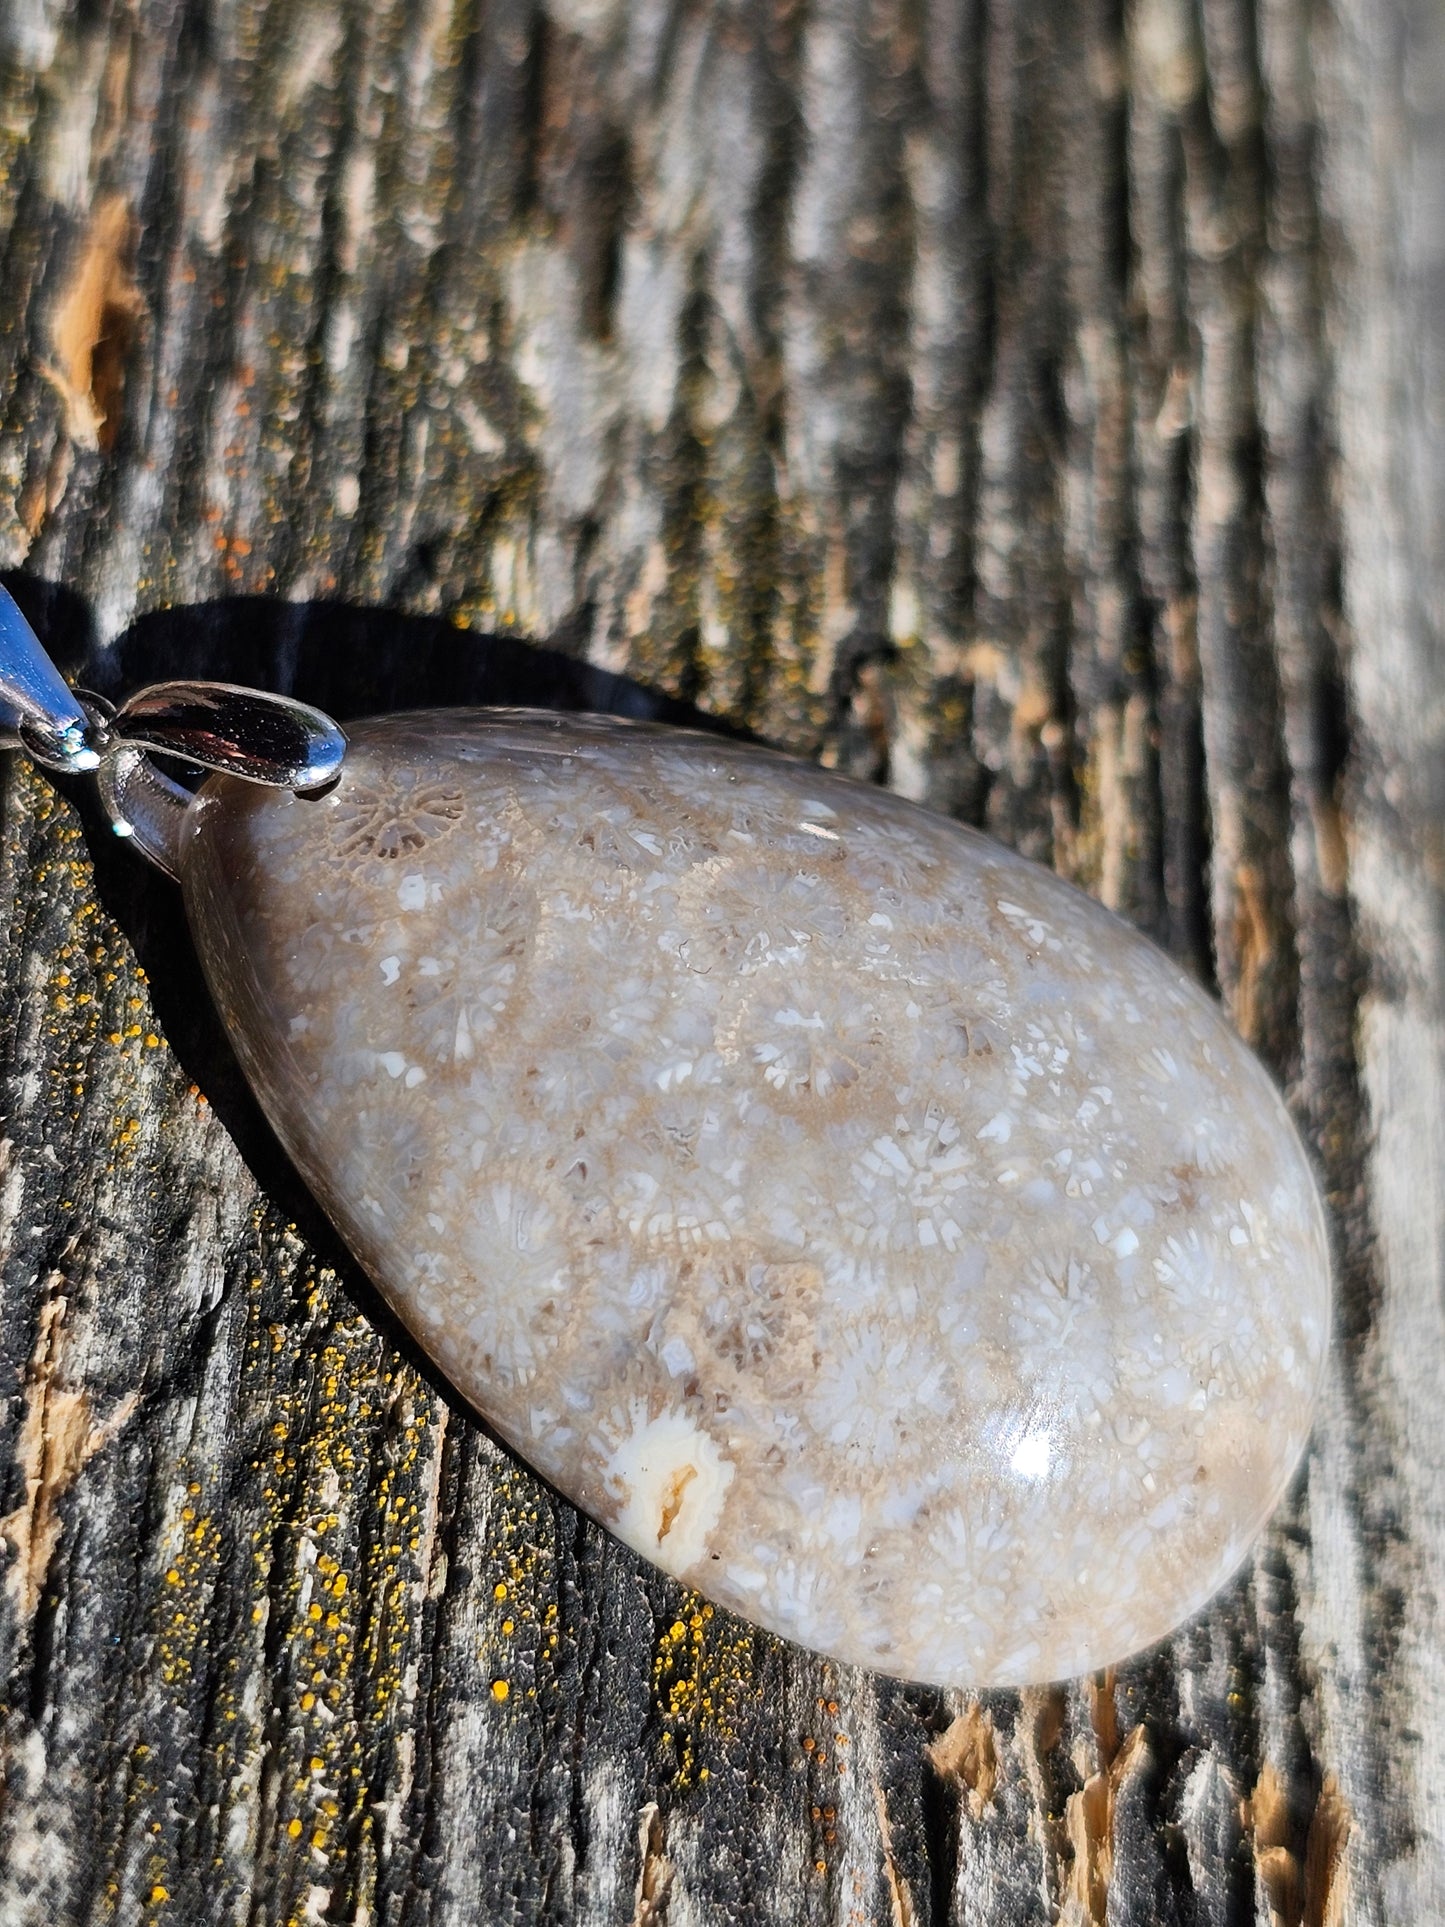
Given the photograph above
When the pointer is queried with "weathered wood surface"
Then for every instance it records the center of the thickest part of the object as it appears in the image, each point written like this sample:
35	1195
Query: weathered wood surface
1035	405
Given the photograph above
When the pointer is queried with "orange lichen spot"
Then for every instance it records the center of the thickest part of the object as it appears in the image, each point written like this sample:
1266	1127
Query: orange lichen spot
293	1827
313	1611
158	1894
500	1689
173	1578
499	1591
308	1700
509	1625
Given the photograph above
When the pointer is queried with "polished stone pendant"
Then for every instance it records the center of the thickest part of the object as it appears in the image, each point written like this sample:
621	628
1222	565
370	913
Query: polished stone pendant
864	1225
861	1223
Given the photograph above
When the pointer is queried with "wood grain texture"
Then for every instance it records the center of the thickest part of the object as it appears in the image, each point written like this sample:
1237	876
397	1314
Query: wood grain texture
1033	405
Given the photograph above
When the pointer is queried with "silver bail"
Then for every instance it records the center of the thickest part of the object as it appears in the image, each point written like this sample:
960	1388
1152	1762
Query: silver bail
243	732
262	738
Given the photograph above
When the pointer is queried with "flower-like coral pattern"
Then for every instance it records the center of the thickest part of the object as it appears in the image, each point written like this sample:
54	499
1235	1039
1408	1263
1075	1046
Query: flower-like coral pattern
396	815
868	1228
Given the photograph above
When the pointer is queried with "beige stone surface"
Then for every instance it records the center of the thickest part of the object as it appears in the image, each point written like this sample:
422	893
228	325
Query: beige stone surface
866	1226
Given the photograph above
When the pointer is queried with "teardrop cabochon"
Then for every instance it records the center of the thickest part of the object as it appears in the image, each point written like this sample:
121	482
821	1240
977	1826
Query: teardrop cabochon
867	1227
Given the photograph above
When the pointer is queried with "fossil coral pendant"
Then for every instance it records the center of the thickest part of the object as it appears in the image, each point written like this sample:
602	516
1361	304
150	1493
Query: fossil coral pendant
862	1224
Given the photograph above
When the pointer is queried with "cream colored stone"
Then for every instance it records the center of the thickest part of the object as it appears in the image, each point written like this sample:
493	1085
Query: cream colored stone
862	1223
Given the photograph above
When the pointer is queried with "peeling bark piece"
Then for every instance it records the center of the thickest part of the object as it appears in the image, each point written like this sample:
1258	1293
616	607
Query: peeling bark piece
95	326
871	1230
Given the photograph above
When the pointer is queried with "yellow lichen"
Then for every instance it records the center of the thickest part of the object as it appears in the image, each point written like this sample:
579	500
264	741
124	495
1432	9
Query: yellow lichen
701	1678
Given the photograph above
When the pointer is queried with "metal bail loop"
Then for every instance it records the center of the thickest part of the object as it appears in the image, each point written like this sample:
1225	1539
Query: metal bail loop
249	733
241	732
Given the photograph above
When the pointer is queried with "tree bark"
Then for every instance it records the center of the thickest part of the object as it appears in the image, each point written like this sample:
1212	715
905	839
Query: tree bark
1033	406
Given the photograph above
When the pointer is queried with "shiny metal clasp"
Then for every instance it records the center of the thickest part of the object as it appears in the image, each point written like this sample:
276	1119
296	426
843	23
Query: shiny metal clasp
249	733
39	711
